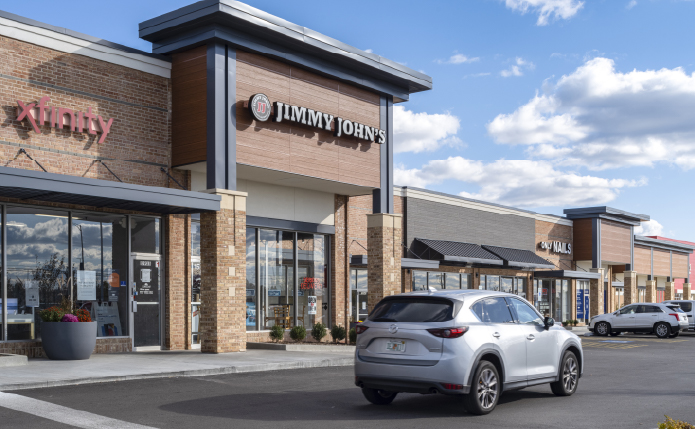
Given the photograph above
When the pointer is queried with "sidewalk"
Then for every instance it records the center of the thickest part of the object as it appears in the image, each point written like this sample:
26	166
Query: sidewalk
138	365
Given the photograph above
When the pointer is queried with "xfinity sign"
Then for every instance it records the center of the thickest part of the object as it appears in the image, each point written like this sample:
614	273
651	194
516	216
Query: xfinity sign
556	246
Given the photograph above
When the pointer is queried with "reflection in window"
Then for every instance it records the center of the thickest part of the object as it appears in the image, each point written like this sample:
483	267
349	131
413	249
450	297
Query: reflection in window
419	280
506	284
312	294
435	280
358	295
493	283
251	297
276	251
37	267
453	281
144	234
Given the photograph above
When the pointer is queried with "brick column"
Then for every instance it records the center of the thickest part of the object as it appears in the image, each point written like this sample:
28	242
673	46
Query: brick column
651	291
223	275
670	292
384	256
340	268
686	291
630	288
596	287
573	298
177	248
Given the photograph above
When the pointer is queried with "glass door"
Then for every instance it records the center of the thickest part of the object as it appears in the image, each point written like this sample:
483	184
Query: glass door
146	294
195	300
358	289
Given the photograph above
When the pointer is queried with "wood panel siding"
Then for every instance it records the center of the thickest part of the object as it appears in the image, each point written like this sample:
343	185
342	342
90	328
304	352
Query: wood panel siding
643	260
298	148
582	240
681	265
189	98
662	262
616	243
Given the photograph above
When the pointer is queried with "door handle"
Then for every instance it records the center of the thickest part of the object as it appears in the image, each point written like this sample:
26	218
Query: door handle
654	315
496	335
531	337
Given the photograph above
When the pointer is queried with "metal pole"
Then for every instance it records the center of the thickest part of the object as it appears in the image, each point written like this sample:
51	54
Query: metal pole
101	233
3	285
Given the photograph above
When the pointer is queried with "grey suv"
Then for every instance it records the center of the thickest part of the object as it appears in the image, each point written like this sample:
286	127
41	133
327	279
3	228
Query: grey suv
472	343
662	319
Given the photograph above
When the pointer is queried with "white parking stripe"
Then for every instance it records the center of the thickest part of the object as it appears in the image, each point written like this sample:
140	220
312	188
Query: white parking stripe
58	413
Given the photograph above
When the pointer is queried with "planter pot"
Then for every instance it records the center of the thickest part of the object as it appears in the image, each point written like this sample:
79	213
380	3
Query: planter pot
68	340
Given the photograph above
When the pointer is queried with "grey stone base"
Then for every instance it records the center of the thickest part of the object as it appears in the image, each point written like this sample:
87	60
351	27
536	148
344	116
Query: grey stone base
12	360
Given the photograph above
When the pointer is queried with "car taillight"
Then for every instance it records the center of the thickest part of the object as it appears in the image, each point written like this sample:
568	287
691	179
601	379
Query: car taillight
450	386
360	329
448	332
675	314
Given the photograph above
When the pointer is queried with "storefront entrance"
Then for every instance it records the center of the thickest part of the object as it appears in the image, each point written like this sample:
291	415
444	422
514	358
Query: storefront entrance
146	304
358	298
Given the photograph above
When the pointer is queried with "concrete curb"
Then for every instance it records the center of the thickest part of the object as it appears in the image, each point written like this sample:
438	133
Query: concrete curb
300	347
323	363
7	360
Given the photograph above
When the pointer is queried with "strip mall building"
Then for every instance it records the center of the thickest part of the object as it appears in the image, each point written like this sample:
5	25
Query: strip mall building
241	177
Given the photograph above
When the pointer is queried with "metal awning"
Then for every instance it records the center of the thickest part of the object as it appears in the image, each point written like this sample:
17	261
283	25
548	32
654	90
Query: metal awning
453	251
60	188
568	274
518	257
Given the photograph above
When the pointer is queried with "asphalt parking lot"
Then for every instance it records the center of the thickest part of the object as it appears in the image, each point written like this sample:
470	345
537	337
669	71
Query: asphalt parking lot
627	384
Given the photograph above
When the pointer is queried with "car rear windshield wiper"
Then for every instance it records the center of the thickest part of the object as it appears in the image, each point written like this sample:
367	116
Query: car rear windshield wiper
384	319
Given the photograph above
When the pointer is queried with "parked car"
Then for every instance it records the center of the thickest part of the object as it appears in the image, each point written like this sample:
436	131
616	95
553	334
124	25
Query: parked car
663	320
687	307
473	343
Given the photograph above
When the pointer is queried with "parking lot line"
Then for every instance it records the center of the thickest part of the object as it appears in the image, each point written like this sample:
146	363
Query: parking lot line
600	345
672	340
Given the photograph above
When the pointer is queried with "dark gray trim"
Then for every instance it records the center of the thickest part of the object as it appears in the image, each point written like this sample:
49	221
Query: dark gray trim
289	225
383	196
473	260
620	214
86	94
567	274
664	244
419	264
216	116
402	362
358	259
596	242
230	103
3	270
91	39
59	188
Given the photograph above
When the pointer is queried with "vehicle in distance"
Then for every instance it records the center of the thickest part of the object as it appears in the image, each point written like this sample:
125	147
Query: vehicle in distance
687	306
473	343
662	319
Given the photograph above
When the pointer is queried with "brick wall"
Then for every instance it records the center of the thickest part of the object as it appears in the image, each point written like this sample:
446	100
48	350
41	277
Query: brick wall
33	349
178	282
549	232
339	263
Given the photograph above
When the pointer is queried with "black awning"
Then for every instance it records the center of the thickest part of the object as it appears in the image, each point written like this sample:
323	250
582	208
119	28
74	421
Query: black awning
453	251
60	188
518	257
568	274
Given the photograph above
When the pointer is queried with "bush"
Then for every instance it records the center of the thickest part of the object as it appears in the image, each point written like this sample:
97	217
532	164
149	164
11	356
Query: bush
353	336
319	331
277	333
675	424
575	322
298	333
52	314
338	333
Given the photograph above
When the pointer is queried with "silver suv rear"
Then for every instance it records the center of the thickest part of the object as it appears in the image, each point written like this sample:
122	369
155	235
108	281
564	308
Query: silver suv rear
472	343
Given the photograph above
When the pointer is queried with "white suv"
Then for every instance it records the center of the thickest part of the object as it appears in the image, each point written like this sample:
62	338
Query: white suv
687	307
664	320
473	343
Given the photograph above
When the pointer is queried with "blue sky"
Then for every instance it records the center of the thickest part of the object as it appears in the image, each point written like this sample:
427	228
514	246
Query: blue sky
540	104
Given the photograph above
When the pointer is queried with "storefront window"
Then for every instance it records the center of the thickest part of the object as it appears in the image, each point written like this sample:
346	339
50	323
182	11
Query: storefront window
492	283
618	298
37	267
358	295
506	284
641	295
419	280
452	281
195	235
144	233
566	301
251	296
195	279
466	281
481	285
520	286
435	280
99	269
312	296
276	249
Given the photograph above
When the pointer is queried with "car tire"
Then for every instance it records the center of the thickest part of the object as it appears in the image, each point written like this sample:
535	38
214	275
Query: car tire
568	377
674	335
662	330
615	334
485	390
378	397
602	329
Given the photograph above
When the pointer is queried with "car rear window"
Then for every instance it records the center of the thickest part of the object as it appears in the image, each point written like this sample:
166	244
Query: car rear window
675	308
414	310
686	306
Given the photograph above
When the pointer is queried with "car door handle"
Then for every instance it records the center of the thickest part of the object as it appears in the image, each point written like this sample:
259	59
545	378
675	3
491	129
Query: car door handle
531	337
654	315
496	335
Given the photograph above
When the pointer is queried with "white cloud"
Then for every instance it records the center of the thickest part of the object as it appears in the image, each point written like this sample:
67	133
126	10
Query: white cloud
601	118
423	132
651	227
557	9
369	51
519	183
459	59
517	68
477	75
631	4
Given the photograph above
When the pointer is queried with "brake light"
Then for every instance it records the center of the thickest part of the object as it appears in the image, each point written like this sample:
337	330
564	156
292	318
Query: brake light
448	332
449	386
675	314
360	329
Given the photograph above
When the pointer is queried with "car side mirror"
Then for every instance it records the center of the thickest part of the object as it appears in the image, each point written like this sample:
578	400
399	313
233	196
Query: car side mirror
548	322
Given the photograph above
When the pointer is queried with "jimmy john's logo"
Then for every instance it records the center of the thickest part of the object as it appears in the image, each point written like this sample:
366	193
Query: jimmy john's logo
259	105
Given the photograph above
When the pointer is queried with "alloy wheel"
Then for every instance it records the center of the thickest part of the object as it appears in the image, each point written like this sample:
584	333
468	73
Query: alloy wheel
569	374
602	328
661	330
487	388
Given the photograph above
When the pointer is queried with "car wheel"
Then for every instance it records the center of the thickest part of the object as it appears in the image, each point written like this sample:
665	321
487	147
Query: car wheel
615	334
485	391
674	335
378	397
568	380
662	330
602	329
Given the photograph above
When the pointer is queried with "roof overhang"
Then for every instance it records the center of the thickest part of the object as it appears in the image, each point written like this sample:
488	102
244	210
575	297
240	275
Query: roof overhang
412	263
246	27
60	188
674	246
568	274
608	213
519	258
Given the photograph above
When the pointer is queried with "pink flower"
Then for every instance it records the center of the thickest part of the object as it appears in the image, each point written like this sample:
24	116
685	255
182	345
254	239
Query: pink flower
69	318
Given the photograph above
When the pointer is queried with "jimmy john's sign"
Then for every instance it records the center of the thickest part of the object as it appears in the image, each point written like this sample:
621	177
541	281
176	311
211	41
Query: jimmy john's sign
556	247
261	109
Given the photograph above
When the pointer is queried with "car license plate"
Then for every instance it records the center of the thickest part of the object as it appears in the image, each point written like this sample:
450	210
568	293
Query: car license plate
396	346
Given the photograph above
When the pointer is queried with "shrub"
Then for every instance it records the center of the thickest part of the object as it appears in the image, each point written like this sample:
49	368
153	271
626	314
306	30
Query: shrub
277	333
675	424
82	315
352	336
319	331
69	318
52	314
338	333
298	333
575	322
